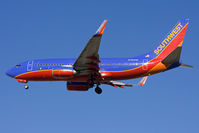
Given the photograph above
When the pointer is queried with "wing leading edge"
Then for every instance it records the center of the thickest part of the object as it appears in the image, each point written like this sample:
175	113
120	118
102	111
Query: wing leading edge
88	61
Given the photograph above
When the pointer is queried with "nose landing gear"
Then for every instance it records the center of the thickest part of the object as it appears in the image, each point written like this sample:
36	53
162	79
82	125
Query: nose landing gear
26	86
24	81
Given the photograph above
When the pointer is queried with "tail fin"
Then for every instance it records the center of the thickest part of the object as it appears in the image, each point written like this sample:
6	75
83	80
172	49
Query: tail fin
169	49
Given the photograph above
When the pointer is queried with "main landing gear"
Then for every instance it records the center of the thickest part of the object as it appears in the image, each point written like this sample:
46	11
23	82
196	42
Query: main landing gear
98	90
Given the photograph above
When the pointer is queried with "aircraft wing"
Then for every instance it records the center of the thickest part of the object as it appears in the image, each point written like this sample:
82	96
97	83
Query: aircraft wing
120	84
117	84
88	61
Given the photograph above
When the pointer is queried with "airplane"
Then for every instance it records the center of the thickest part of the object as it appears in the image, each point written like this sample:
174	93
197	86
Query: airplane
89	70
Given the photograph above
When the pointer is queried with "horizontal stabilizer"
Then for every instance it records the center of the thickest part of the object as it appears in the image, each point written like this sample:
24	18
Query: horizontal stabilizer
185	65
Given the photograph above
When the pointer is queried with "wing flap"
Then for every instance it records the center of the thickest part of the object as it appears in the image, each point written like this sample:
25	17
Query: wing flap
121	84
118	84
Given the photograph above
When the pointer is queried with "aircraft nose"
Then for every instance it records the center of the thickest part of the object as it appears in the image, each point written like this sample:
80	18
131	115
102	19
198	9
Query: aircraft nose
10	73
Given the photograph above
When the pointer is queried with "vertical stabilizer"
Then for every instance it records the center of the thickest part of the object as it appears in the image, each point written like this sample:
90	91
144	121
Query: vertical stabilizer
169	49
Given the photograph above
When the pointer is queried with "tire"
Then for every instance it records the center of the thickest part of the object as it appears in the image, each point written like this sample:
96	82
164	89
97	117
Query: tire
26	87
98	90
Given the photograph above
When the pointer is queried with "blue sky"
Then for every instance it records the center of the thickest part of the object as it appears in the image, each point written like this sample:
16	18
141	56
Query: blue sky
60	29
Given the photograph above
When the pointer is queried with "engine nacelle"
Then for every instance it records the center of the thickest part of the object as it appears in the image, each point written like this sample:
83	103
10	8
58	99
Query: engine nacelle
61	74
78	86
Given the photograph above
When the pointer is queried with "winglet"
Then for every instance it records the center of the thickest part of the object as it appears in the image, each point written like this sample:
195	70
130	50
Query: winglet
100	31
143	81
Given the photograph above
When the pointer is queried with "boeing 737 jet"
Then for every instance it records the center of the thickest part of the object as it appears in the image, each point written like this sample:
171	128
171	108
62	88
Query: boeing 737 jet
89	70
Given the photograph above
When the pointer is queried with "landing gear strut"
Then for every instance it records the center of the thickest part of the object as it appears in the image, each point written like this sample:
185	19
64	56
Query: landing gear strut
26	86
91	82
98	90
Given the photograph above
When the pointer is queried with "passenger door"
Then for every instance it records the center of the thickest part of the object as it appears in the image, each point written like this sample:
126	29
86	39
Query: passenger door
29	65
145	64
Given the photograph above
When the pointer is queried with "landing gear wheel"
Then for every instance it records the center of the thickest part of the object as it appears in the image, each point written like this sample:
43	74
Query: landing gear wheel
26	87
98	90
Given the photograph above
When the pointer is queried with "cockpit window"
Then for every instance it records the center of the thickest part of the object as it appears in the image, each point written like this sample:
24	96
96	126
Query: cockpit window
18	65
